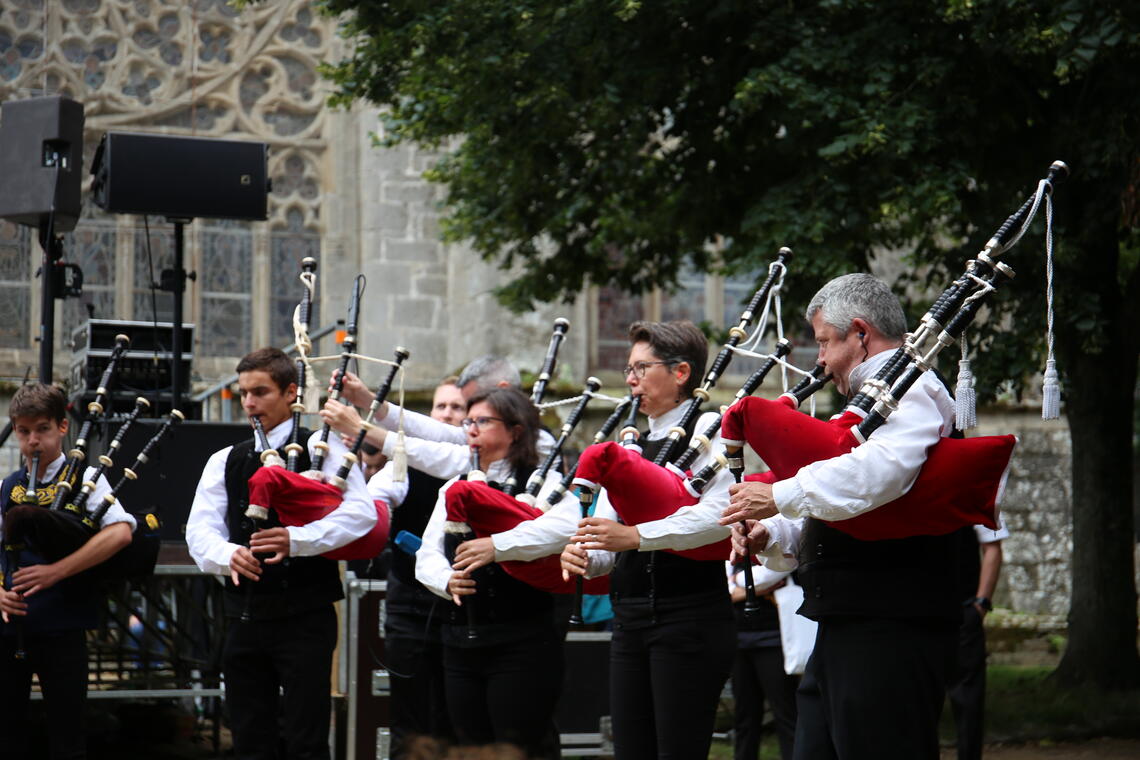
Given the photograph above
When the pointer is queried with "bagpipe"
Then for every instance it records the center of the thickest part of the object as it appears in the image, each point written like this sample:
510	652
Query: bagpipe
60	529
299	498
57	533
476	510
642	491
538	390
941	500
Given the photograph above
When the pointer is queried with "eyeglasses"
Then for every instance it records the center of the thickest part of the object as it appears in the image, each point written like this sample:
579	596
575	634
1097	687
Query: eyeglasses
638	369
480	422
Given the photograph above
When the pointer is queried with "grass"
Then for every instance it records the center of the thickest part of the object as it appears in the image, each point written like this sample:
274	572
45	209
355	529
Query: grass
1023	704
1026	704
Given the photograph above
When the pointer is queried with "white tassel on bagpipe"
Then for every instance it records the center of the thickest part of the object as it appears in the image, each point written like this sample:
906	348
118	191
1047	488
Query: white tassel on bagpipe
305	345
1051	389
965	397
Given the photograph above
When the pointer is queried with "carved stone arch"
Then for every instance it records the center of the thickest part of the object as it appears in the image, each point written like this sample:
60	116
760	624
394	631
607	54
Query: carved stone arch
180	67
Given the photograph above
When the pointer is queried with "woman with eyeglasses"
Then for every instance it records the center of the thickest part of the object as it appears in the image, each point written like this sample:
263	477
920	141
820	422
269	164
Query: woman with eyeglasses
503	670
674	635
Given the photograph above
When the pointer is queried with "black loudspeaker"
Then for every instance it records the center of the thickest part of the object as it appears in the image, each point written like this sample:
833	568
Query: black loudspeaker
181	177
41	161
167	482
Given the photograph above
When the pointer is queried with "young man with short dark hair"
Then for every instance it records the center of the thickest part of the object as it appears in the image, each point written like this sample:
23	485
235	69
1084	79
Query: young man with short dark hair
282	655
50	604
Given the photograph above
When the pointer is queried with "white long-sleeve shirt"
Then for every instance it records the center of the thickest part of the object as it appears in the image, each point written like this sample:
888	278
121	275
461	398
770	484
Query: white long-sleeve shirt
436	448
207	536
115	514
529	540
877	472
383	487
688	527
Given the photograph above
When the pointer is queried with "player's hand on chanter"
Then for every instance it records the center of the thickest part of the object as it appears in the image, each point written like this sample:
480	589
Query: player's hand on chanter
748	501
609	535
244	565
273	541
12	604
459	585
28	580
474	554
574	561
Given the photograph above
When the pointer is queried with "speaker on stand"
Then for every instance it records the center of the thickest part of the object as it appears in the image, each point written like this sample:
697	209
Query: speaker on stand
180	178
41	160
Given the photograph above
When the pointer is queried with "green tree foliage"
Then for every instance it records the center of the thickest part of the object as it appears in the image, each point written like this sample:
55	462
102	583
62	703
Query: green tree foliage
609	141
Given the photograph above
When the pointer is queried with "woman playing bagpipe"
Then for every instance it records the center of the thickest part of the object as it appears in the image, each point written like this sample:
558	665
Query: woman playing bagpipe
674	634
284	644
502	645
48	605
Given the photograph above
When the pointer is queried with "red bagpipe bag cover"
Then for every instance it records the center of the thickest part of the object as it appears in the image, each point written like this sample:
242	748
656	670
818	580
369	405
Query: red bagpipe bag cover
299	500
641	491
487	511
959	485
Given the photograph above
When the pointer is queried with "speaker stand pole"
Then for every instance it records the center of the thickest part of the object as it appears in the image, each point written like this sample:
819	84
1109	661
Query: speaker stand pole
51	246
179	285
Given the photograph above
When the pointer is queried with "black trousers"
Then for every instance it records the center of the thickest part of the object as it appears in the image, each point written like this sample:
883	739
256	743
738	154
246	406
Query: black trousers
873	690
665	684
968	690
60	661
278	681
418	706
758	675
506	693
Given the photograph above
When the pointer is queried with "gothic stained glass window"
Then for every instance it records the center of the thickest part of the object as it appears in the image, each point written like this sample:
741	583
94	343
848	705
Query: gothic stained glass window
688	302
92	247
288	247
201	69
153	252
226	280
16	251
615	311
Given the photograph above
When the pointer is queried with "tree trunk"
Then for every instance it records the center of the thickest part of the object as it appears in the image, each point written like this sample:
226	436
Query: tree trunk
1102	617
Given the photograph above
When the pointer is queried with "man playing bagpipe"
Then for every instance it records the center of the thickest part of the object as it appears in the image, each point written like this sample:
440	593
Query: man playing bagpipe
47	606
282	623
888	610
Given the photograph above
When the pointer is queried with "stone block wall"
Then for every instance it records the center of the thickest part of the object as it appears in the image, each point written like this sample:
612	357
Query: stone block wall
1037	509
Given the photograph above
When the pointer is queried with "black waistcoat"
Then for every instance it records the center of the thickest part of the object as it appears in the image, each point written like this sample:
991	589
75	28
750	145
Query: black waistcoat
639	576
913	577
296	584
407	596
505	608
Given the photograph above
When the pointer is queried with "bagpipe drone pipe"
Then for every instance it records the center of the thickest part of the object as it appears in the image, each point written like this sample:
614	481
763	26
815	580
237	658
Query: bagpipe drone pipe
538	392
299	498
486	511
